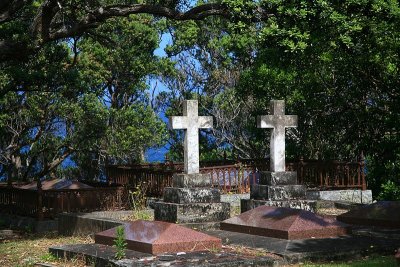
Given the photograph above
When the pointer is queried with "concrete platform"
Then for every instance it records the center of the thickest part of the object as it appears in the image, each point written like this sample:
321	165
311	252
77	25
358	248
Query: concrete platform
285	223
157	237
324	249
364	242
103	256
380	214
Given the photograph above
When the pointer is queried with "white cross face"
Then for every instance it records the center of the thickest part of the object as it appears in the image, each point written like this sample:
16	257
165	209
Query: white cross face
278	122
191	122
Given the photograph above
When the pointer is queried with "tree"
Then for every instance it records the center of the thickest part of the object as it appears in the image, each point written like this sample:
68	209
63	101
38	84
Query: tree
210	56
35	122
86	101
336	65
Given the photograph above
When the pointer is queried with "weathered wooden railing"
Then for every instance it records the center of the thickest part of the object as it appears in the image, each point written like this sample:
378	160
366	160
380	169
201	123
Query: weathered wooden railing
238	177
48	203
331	174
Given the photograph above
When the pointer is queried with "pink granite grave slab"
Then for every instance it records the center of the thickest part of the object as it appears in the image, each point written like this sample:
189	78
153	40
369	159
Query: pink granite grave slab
285	223
156	237
381	214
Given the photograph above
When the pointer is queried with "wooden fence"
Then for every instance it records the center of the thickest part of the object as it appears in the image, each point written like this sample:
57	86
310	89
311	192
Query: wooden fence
153	178
238	177
48	203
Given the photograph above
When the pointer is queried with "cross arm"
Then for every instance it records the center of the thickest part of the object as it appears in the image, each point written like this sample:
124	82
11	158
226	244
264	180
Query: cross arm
178	122
205	122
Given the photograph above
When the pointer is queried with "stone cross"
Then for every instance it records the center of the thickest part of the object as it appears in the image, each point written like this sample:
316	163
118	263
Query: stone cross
278	121
191	122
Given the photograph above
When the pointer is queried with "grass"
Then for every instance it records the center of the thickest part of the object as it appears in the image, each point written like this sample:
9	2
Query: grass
376	261
235	210
143	214
29	249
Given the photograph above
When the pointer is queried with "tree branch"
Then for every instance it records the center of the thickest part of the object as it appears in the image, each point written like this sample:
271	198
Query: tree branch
9	8
46	27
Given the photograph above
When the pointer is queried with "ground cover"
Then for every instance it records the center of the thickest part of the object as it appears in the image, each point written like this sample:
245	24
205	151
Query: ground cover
26	249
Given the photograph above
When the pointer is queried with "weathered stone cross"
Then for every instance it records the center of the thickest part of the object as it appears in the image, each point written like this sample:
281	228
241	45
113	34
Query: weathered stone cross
278	121
191	123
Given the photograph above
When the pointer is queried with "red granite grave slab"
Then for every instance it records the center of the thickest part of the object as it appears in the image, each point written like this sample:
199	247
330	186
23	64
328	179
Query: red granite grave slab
158	237
55	184
381	214
285	223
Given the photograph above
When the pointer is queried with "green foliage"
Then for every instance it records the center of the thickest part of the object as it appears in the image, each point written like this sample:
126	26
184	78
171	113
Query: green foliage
389	191
48	257
86	100
124	136
120	243
3	223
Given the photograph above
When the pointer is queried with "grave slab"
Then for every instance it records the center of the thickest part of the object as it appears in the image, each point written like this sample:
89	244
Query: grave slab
310	205
156	237
285	223
380	214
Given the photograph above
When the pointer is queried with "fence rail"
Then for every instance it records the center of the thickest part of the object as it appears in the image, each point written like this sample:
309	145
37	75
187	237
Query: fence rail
230	177
48	203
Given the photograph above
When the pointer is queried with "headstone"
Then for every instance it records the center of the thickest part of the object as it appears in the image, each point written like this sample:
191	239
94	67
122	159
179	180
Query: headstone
285	223
156	237
277	187
278	122
379	214
191	122
191	199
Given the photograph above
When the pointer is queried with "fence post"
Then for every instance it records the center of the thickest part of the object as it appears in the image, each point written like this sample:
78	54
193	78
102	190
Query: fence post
300	170
362	167
40	200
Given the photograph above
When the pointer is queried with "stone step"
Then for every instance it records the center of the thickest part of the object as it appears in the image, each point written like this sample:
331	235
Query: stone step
278	178
181	180
191	212
278	192
191	195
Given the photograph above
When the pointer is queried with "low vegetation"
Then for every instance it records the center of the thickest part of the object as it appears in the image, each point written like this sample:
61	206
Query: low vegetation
26	249
377	261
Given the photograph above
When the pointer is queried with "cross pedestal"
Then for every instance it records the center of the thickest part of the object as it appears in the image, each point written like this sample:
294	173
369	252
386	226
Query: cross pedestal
191	199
